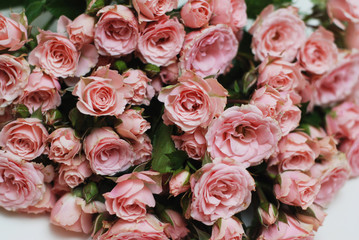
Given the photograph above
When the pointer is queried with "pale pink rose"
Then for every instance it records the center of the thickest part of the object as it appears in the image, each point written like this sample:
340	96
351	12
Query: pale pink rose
297	151
277	106
102	93
327	144
332	175
42	90
343	10
343	122
131	196
13	31
80	30
209	51
319	53
337	84
142	148
169	74
44	205
24	137
177	229
75	173
230	12
220	191
278	33
161	41
149	10
196	13
227	229
351	35
140	85
269	216
292	230
179	183
193	102
68	213
132	124
351	149
116	32
244	135
22	185
297	189
48	171
107	153
280	74
14	74
63	145
316	221
194	144
148	228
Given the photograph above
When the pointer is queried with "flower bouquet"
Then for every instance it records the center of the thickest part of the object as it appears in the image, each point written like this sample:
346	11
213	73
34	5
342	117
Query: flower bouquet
199	119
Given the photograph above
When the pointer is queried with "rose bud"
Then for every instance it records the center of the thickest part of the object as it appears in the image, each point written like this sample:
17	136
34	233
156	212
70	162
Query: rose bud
196	13
230	228
179	183
268	217
177	229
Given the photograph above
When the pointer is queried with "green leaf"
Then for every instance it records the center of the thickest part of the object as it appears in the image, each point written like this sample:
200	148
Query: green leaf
69	8
22	110
177	159
34	9
37	114
152	69
90	192
121	66
95	5
254	7
77	192
206	159
98	223
201	234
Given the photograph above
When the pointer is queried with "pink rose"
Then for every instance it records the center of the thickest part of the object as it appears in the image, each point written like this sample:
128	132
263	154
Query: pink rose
179	183
297	189
140	84
332	175
343	122
42	90
149	10
142	148
177	230
220	191
75	173
22	185
319	53
196	13
204	53
327	144
244	135
351	149
193	102
343	10
24	137
269	216
194	144
63	145
230	12
132	195
337	84
102	93
13	31
132	124
161	41
44	205
107	153
148	228
227	229
351	34
80	30
116	32
14	74
291	230
169	74
278	33
316	221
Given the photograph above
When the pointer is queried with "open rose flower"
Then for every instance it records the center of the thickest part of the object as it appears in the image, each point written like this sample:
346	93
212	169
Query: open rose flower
132	124
75	173
193	102
169	74
116	32
14	74
22	185
42	91
44	205
297	189
244	135
149	10
63	145
319	53
343	10
209	51
142	148
102	93
148	228
230	228
196	13
161	41
351	149
316	220
24	137
220	191
278	33
177	230
133	194
107	153
13	31
194	144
